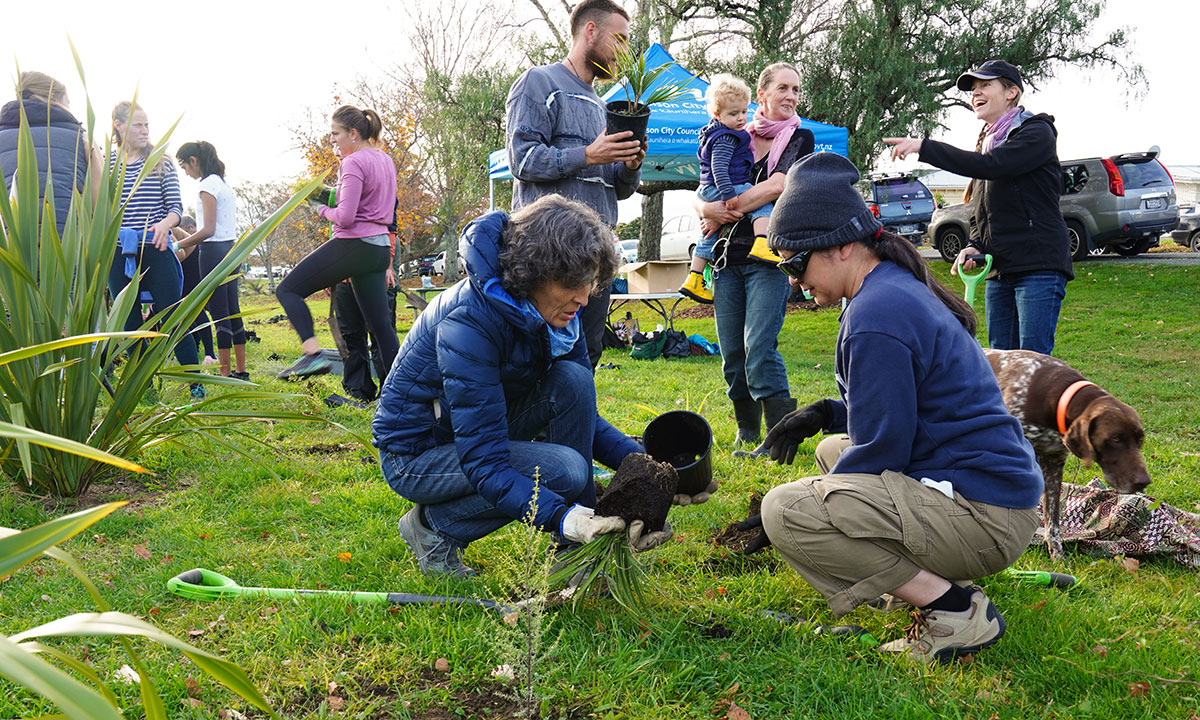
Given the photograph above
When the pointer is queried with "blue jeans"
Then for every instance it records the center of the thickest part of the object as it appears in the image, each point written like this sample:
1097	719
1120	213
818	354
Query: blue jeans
162	277
563	406
750	301
1022	310
710	193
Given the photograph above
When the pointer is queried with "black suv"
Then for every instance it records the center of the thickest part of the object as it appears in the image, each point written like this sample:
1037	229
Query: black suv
902	203
1121	203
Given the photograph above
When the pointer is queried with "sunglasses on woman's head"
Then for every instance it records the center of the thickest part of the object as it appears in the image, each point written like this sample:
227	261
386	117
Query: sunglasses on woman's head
796	264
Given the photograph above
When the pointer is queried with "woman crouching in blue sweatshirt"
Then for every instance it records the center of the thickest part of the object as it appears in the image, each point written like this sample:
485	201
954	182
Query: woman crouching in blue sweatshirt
927	481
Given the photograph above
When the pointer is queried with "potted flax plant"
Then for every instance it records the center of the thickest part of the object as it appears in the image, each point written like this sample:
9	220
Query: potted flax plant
633	113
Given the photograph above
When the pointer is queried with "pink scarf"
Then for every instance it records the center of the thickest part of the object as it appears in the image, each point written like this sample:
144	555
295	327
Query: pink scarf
997	132
780	130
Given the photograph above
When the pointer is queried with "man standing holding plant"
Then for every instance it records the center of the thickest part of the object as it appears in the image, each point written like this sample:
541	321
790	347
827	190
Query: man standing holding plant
557	139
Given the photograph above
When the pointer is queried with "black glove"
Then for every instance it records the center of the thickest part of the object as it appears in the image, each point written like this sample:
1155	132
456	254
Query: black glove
783	439
758	543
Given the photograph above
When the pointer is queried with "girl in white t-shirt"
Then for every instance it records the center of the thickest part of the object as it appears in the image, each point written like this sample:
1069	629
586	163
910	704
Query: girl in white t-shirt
217	233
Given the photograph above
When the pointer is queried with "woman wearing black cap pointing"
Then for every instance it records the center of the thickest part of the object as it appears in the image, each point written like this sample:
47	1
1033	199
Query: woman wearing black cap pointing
926	480
1014	207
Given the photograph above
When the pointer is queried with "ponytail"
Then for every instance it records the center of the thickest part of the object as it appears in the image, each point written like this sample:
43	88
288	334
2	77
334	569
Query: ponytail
206	156
366	122
893	248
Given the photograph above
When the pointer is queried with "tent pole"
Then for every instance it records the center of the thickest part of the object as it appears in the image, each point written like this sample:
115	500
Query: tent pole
491	194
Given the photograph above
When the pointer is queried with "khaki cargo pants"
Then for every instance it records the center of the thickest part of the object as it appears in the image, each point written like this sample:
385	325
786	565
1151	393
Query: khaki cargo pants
853	537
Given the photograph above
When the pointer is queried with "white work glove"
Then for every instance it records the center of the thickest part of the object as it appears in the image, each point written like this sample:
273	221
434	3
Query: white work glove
582	525
696	499
642	542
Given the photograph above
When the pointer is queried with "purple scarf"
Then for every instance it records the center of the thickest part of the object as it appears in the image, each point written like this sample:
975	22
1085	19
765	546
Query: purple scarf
781	132
997	132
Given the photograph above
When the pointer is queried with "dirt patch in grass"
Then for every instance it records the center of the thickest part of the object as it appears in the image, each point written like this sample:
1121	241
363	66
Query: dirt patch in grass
481	700
128	487
730	537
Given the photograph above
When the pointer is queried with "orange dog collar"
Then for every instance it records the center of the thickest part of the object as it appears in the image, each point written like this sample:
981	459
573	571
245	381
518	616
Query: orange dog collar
1066	400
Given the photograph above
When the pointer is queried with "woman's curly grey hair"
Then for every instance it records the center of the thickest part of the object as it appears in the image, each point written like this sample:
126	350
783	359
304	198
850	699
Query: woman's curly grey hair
559	240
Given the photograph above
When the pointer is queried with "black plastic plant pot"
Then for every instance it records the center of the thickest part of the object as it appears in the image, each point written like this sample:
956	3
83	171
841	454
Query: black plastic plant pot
683	439
624	115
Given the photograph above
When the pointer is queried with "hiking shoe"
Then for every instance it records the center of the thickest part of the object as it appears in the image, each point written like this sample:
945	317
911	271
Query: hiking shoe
245	376
694	288
941	636
436	555
306	366
197	391
763	252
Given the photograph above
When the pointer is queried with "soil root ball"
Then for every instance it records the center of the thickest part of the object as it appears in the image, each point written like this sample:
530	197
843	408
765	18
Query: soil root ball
641	489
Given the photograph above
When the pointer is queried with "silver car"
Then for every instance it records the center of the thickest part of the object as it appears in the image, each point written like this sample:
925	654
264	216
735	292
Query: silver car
1121	203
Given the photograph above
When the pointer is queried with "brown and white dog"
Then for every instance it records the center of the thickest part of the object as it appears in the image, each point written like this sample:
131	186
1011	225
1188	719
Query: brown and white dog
1060	410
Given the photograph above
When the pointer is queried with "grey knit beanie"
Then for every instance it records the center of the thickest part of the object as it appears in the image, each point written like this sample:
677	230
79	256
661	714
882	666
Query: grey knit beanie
819	206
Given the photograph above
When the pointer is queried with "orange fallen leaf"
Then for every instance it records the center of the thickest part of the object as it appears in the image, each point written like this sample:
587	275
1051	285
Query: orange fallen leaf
441	665
191	686
721	590
154	611
1100	650
736	712
1139	689
345	557
1039	605
195	633
1131	565
335	703
142	552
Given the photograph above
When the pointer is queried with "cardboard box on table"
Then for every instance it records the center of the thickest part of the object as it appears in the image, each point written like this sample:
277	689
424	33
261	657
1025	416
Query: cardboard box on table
655	276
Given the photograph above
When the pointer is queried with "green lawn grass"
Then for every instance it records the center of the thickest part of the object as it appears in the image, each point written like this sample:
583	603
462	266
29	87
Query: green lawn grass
327	519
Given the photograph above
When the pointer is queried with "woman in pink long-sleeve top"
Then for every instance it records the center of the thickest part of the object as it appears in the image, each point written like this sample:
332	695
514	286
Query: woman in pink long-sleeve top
360	248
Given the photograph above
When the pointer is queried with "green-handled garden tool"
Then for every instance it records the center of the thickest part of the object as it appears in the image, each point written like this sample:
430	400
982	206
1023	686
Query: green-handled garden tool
1043	578
201	584
971	281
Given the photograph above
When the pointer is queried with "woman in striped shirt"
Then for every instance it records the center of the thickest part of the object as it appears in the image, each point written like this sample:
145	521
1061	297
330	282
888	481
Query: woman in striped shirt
151	210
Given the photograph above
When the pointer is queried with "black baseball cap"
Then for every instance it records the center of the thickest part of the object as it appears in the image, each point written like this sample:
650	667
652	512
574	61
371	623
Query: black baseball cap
991	70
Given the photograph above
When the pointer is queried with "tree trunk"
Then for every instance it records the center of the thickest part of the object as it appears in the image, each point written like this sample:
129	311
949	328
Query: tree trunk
450	273
651	232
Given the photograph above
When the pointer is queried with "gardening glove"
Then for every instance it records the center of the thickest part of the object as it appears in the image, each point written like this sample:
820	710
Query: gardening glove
696	499
784	439
759	542
582	524
641	541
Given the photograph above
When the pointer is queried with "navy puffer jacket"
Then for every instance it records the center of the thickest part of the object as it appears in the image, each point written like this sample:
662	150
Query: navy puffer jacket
472	353
58	143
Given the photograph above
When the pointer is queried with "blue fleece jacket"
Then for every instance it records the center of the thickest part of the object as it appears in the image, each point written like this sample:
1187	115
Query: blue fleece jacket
470	353
919	398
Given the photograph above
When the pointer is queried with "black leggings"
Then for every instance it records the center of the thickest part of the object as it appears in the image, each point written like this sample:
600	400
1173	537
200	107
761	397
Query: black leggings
338	259
191	278
224	300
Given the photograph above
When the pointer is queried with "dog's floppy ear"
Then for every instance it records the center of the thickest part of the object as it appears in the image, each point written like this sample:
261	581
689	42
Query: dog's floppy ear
1077	439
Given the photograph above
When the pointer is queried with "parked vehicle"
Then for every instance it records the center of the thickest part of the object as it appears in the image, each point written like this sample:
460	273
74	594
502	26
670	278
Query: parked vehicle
679	237
902	203
439	264
1188	232
426	264
1122	203
628	250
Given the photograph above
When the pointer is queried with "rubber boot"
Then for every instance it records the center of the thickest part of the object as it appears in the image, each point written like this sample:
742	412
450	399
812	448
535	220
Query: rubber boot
774	409
763	252
748	413
694	288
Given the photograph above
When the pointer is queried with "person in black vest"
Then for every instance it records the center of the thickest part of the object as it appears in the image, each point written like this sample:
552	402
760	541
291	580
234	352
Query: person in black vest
1014	207
59	141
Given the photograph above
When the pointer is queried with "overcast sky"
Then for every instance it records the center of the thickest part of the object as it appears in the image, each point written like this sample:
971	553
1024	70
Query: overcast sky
241	74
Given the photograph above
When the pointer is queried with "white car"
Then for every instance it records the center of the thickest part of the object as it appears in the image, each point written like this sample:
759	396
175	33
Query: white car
679	237
439	265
